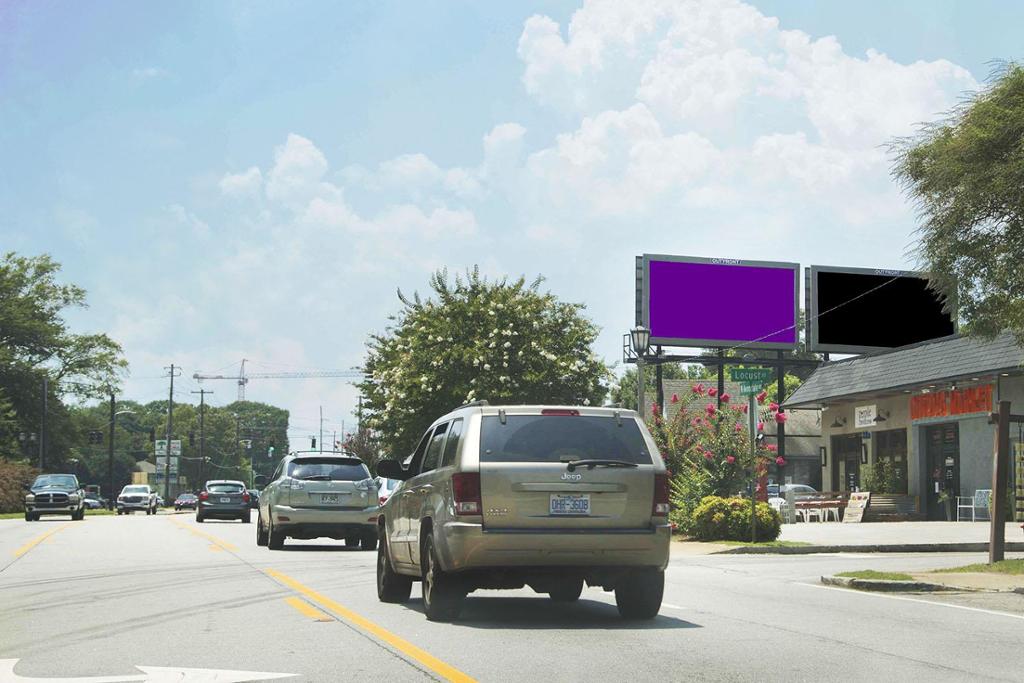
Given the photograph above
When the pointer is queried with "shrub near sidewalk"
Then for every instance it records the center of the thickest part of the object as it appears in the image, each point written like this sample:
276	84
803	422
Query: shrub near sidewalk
728	519
12	476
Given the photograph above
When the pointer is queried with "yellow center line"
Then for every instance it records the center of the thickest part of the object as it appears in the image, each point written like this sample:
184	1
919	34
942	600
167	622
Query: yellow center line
223	545
38	539
308	609
446	671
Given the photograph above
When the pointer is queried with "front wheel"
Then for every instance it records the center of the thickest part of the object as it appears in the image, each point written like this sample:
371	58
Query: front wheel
442	597
29	517
638	595
391	586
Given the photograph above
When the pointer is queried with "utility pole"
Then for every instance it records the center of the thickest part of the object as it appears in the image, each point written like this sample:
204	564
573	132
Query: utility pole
321	429
359	415
1000	471
110	456
238	440
170	427
42	429
202	433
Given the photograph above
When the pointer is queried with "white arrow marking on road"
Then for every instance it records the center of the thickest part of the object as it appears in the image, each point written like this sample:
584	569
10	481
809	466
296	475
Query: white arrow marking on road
150	674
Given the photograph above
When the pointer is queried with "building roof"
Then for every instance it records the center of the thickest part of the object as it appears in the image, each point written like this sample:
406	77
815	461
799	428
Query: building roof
942	360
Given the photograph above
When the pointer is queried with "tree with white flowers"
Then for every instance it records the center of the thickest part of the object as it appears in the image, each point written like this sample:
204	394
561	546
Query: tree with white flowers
505	342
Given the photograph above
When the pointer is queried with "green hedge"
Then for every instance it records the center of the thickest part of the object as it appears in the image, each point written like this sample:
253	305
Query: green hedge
12	476
728	519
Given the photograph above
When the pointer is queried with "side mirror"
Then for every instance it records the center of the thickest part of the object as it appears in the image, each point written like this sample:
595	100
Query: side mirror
27	487
391	469
259	481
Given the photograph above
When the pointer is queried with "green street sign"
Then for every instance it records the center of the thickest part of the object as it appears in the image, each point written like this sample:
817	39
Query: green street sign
751	375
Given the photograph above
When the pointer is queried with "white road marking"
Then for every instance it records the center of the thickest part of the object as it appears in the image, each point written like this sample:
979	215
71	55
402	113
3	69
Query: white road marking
150	674
852	591
671	606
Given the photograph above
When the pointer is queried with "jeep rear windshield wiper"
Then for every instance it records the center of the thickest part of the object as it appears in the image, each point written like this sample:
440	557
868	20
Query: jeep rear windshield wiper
316	477
591	464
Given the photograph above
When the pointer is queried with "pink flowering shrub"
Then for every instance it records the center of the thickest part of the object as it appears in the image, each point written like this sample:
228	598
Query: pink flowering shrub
708	453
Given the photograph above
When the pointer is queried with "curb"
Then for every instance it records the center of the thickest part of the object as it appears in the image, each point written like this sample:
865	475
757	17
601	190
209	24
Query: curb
898	548
889	586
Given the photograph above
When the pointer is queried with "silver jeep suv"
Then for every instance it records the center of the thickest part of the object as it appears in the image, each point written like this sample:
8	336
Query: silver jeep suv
545	496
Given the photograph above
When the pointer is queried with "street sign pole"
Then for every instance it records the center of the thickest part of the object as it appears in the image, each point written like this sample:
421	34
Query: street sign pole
752	410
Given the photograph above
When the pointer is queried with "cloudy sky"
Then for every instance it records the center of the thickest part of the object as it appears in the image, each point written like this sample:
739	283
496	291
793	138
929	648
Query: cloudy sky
255	180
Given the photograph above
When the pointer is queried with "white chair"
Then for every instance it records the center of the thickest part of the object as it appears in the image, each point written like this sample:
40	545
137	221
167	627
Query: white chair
981	500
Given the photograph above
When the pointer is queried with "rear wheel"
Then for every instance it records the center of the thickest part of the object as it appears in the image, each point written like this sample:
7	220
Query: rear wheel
638	595
369	541
442	597
245	517
352	541
275	537
568	590
391	586
199	518
261	532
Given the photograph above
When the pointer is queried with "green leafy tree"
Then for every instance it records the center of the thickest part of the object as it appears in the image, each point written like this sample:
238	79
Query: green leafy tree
37	350
503	341
965	174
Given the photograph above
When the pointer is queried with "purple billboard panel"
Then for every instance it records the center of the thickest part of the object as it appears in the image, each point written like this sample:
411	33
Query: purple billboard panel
720	302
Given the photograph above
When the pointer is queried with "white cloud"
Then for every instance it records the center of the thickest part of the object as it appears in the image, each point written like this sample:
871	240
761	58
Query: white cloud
148	73
297	174
184	217
248	182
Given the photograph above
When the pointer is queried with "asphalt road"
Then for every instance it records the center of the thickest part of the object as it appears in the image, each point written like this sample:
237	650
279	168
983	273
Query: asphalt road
101	597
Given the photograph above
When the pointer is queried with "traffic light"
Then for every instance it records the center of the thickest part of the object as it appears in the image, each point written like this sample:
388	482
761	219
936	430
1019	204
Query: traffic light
270	451
152	434
95	437
312	440
191	439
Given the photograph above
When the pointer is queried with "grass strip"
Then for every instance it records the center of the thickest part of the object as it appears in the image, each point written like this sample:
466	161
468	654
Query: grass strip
876	576
1015	567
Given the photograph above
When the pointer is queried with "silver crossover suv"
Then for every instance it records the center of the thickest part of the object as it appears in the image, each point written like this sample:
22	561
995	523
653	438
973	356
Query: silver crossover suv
313	494
507	496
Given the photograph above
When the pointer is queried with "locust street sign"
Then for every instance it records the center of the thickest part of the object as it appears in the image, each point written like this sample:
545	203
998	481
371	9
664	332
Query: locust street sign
751	380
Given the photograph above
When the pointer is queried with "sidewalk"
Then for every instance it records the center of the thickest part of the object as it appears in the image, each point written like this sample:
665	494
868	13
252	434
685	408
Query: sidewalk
896	533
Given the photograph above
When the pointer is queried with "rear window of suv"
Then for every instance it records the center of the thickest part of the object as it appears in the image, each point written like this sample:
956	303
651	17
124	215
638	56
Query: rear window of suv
328	469
224	488
562	438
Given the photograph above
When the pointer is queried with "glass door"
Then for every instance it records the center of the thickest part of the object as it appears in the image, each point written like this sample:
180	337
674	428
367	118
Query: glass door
942	446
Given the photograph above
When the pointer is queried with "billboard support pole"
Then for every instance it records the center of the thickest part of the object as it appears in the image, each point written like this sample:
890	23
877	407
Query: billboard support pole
659	377
640	385
781	387
721	376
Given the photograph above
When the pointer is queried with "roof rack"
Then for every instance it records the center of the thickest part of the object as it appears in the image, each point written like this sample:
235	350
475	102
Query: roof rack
474	404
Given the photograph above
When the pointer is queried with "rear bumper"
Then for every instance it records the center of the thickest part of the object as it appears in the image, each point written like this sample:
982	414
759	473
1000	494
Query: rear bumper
226	511
466	546
305	521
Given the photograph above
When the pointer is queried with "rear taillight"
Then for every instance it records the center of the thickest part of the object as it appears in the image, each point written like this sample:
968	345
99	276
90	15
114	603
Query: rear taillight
661	503
204	496
245	497
382	500
466	491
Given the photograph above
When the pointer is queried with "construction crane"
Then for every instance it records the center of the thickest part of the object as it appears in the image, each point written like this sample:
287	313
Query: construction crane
243	378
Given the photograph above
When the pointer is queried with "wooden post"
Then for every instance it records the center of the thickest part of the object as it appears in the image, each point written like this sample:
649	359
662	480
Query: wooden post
1000	467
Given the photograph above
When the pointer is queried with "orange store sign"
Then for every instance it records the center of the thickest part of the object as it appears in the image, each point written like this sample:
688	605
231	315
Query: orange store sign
957	402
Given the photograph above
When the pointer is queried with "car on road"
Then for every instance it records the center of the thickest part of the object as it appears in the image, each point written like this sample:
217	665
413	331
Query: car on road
54	494
223	499
254	499
553	497
313	495
186	501
135	497
94	502
386	487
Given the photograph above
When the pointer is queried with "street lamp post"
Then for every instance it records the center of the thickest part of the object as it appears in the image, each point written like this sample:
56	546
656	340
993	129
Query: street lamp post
110	450
640	340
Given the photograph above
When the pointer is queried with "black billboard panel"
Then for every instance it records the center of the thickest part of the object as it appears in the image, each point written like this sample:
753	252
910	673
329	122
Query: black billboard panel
859	310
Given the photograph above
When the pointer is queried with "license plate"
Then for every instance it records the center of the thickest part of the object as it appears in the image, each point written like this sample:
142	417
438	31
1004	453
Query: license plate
570	504
328	498
225	500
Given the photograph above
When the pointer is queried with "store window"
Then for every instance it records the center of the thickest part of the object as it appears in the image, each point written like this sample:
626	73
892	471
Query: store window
891	452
